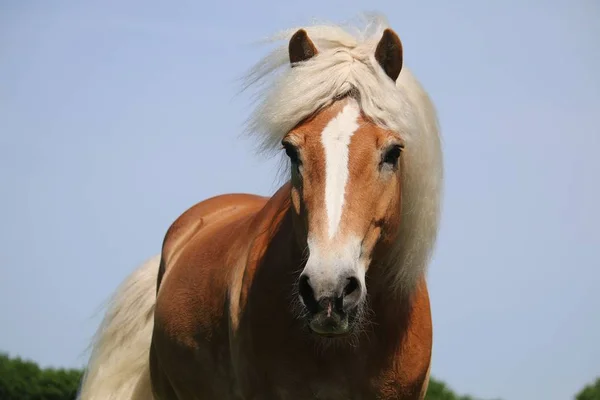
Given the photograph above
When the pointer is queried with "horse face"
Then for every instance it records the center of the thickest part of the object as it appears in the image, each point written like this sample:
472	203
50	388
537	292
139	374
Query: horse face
346	191
345	174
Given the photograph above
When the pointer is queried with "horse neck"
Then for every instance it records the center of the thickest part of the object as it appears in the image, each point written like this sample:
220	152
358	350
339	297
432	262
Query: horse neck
273	248
392	293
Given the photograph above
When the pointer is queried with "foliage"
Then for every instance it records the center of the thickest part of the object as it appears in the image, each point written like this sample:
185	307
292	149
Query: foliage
438	390
25	380
590	392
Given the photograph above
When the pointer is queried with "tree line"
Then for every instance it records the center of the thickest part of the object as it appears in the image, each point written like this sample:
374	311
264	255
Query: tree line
25	380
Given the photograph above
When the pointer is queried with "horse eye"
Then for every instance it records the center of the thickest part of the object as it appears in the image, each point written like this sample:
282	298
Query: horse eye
291	152
392	155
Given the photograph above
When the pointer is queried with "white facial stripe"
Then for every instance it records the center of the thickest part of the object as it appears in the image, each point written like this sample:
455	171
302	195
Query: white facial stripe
336	139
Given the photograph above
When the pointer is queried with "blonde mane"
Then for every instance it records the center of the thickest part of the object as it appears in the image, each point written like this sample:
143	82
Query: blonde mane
346	66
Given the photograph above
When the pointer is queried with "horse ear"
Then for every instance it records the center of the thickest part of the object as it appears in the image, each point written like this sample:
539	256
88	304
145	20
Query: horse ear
389	54
301	48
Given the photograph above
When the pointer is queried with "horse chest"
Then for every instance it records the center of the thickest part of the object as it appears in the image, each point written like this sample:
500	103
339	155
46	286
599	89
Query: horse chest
320	391
286	381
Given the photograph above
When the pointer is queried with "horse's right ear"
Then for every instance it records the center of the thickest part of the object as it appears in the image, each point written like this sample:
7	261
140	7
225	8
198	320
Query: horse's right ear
301	48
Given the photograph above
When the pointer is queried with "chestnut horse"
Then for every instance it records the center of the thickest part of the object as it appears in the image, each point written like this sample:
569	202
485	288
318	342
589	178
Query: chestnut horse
318	292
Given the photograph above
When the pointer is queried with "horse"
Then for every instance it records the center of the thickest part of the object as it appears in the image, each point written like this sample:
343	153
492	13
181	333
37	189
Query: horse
318	291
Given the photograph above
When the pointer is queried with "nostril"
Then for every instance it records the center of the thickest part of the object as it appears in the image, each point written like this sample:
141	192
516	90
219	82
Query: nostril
351	286
304	286
307	294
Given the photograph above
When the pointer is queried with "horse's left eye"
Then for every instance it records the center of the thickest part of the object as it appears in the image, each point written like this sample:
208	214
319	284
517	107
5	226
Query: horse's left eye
392	155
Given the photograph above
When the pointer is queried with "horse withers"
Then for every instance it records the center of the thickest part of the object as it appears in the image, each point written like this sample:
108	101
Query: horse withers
319	291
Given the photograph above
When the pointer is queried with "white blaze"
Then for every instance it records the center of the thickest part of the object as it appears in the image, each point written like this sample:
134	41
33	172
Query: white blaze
336	139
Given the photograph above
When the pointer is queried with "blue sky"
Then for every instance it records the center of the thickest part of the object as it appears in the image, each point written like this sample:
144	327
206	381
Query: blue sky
117	116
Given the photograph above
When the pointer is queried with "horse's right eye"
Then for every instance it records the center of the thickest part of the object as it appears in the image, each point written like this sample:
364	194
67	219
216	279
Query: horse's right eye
292	152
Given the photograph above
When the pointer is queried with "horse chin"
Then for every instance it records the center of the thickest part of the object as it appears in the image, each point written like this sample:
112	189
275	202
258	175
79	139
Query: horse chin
330	330
332	326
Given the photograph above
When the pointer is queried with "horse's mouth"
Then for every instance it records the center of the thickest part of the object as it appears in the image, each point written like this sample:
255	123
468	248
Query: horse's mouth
330	326
332	335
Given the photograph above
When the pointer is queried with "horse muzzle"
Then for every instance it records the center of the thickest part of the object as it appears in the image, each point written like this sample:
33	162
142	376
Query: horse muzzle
331	312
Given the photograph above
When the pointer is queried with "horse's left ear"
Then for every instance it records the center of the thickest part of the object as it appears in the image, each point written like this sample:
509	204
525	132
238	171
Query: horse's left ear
301	48
389	54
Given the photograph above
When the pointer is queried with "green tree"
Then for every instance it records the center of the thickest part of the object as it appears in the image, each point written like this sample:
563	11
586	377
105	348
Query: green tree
590	392
25	380
438	390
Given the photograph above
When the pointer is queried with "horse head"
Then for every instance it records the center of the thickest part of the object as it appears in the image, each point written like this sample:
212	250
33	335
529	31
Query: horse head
346	185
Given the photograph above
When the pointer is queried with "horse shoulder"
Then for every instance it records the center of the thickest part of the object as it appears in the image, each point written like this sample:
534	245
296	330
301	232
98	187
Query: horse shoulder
197	241
189	330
